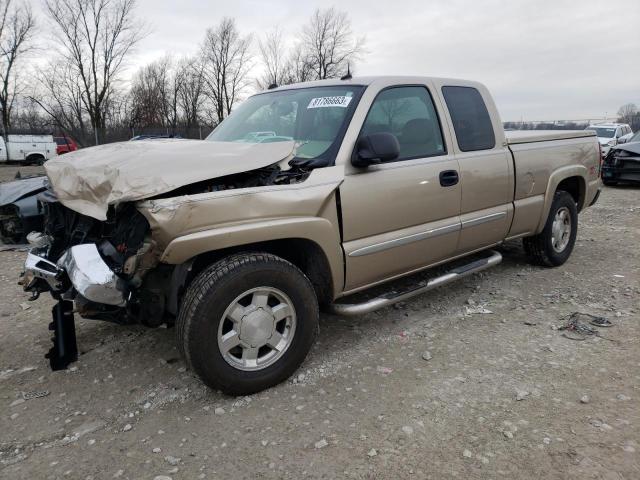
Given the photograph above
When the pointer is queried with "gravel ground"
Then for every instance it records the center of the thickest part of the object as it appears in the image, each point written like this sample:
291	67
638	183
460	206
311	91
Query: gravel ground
8	172
423	390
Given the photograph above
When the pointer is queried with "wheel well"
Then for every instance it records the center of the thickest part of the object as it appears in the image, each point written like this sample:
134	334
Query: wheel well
304	254
33	157
575	187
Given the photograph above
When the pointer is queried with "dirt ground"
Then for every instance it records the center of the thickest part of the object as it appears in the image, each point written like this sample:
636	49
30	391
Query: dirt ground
423	390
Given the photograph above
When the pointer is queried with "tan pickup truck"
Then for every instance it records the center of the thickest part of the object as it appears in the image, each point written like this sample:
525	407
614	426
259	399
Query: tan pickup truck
305	195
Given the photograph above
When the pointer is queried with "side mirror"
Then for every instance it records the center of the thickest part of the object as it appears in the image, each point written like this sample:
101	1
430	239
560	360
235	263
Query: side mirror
622	140
375	148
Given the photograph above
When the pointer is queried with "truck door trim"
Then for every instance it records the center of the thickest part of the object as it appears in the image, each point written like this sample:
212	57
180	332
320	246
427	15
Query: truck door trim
484	219
416	237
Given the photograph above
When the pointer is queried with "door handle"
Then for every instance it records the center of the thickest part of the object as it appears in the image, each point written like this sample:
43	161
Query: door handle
449	178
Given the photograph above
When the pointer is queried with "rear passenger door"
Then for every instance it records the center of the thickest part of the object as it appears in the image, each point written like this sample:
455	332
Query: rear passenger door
486	167
400	216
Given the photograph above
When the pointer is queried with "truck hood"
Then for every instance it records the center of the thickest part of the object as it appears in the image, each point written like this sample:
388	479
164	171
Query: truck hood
91	179
629	147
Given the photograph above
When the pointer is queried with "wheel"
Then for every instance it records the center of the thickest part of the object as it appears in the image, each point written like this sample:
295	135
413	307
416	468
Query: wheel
247	322
35	160
553	246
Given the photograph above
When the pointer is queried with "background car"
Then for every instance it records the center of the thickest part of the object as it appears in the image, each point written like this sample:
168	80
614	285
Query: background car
65	145
622	164
611	134
19	212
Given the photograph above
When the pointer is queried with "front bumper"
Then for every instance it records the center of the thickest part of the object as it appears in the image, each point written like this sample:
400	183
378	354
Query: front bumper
80	266
624	173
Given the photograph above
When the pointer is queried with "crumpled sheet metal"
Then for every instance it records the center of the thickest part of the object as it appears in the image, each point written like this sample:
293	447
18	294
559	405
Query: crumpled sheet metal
17	189
91	179
179	216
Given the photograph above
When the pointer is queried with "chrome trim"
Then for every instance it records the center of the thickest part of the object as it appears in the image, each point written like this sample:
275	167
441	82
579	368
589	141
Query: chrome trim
90	276
484	219
384	301
397	242
40	267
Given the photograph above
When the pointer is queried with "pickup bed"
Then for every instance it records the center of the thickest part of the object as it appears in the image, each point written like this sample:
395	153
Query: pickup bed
304	195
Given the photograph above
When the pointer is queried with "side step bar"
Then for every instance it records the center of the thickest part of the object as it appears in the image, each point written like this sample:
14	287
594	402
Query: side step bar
389	299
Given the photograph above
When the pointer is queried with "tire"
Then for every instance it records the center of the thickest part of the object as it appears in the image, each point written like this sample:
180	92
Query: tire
227	301
543	249
35	160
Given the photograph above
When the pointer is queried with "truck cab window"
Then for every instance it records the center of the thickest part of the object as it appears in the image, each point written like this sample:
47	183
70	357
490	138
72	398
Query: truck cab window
471	120
409	114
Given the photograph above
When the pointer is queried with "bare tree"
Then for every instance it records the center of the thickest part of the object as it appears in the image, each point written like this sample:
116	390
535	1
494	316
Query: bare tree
627	112
227	63
60	95
329	44
95	37
273	56
302	69
190	97
16	31
149	92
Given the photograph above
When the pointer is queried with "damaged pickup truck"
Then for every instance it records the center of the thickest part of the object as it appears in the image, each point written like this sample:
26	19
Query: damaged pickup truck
304	195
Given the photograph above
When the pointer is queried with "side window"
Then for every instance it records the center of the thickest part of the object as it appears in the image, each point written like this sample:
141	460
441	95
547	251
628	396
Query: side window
471	120
409	114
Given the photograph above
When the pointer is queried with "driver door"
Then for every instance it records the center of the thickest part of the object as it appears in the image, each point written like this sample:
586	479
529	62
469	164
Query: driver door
402	215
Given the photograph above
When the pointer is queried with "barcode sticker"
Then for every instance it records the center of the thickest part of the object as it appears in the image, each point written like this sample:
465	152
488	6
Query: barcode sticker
324	102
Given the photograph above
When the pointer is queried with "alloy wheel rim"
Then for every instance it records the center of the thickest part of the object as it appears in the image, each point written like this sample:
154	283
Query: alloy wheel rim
561	230
257	328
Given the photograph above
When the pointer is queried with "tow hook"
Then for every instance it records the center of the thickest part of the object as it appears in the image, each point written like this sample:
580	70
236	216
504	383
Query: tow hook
65	348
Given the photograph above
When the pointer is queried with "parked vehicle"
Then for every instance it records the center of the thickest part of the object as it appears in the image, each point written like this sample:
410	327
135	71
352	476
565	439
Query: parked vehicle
611	134
65	145
239	239
35	149
19	212
622	164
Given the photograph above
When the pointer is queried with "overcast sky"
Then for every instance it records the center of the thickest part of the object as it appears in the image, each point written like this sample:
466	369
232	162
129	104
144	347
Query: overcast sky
542	59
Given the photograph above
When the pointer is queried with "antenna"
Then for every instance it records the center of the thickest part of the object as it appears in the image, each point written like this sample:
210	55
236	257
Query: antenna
348	75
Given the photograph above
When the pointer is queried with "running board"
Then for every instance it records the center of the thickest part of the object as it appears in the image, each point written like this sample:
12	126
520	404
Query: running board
393	297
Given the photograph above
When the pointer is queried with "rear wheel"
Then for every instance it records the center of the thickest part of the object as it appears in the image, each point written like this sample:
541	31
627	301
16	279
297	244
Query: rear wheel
553	246
247	322
35	160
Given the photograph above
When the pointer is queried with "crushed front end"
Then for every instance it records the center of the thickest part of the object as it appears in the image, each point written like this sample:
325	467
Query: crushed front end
90	267
622	164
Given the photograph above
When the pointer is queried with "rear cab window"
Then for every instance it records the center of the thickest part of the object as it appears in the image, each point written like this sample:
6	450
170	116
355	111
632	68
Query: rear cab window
470	117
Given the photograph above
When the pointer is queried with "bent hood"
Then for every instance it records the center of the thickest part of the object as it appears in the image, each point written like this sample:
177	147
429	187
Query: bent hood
12	191
633	148
90	180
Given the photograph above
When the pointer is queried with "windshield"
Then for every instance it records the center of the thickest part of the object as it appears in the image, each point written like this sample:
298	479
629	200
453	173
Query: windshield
315	118
606	132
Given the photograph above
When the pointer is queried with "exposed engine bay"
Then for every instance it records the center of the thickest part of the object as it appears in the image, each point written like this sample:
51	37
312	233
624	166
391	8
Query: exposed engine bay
106	227
261	177
125	244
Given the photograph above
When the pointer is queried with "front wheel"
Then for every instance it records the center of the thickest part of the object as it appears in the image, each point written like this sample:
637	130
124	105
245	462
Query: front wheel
553	246
247	322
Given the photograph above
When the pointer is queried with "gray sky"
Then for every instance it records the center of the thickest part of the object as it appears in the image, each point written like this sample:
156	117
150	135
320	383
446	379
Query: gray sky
542	59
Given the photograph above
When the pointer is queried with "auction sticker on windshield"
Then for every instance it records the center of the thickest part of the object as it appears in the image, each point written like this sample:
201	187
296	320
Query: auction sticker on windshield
323	102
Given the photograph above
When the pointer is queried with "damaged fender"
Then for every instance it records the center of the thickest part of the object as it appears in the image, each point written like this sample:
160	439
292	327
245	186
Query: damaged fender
185	227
